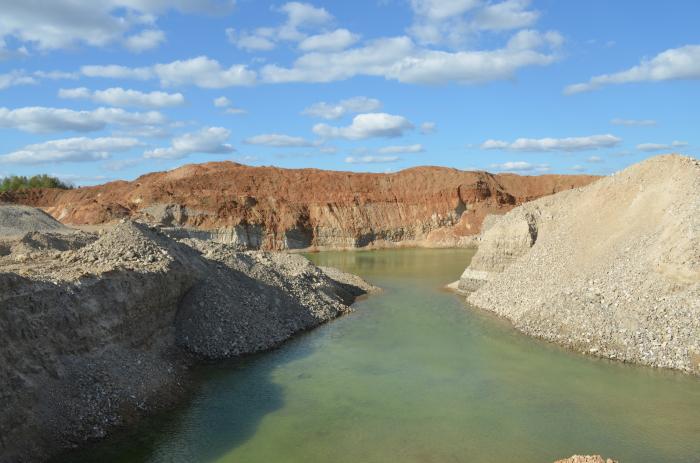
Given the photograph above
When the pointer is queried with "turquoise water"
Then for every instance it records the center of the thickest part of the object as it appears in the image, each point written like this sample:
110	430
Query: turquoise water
415	375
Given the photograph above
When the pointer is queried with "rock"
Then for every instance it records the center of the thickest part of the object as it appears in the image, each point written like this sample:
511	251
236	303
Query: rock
271	208
608	269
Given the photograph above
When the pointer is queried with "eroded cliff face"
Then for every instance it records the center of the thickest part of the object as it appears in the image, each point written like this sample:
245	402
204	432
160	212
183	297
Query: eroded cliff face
272	208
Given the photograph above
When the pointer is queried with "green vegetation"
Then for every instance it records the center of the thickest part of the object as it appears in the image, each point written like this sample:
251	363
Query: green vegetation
19	182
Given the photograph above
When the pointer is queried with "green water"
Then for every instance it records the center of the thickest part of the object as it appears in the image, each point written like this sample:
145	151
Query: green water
415	375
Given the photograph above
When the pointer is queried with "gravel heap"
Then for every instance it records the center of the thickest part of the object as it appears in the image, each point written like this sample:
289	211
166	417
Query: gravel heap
97	331
17	220
612	269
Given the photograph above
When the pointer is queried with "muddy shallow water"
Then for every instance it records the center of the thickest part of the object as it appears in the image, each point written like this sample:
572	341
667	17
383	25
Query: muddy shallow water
416	375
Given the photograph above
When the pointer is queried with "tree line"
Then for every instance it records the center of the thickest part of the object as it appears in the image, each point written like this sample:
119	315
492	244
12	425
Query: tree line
20	182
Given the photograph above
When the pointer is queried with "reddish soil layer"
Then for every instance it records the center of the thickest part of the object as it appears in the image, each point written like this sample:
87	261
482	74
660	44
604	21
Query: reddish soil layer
276	208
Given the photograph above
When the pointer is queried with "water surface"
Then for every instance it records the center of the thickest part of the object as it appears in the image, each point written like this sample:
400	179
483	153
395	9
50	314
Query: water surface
415	375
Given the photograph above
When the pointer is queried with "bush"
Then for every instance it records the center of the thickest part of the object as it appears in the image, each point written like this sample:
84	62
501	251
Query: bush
18	182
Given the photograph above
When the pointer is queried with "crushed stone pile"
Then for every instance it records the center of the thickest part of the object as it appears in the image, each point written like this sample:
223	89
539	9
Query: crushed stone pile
17	220
611	269
99	330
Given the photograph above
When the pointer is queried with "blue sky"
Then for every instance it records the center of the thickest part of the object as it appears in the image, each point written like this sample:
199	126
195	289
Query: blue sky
98	91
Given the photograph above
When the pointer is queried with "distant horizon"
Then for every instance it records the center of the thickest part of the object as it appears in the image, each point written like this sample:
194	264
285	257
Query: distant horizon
98	92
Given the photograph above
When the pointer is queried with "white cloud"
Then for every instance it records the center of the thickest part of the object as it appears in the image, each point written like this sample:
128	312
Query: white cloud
277	140
634	122
506	15
114	71
249	42
661	146
211	140
56	75
120	97
79	149
399	59
428	127
399	149
40	119
594	159
145	40
236	111
578	168
66	23
673	64
222	102
300	17
520	166
371	159
555	144
13	78
370	125
201	71
456	21
358	104
339	39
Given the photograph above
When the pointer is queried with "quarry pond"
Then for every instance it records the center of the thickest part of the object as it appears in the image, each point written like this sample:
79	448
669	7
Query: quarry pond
416	375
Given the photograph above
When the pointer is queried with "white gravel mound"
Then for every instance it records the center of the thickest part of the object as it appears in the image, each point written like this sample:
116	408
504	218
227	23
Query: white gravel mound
612	269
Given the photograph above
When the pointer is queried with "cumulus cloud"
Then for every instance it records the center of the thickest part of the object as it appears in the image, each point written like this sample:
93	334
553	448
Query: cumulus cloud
673	64
13	78
520	166
358	104
79	149
301	17
201	71
222	102
118	96
428	128
399	149
555	144
661	146
114	71
277	140
398	58
339	39
145	40
40	119
456	21
634	122
371	159
370	125
211	140
66	23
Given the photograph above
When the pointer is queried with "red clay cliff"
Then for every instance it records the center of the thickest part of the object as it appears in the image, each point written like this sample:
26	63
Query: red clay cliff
273	208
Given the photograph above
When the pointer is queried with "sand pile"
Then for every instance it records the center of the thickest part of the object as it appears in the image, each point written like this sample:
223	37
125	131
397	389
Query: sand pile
612	269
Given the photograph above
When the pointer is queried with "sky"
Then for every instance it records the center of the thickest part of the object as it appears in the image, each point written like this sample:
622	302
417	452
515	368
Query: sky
98	91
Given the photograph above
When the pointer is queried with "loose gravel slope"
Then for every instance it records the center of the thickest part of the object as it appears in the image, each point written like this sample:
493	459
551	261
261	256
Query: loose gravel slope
611	269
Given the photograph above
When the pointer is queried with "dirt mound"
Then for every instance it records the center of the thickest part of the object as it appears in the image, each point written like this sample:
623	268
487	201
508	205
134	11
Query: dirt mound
612	269
100	334
272	208
17	220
